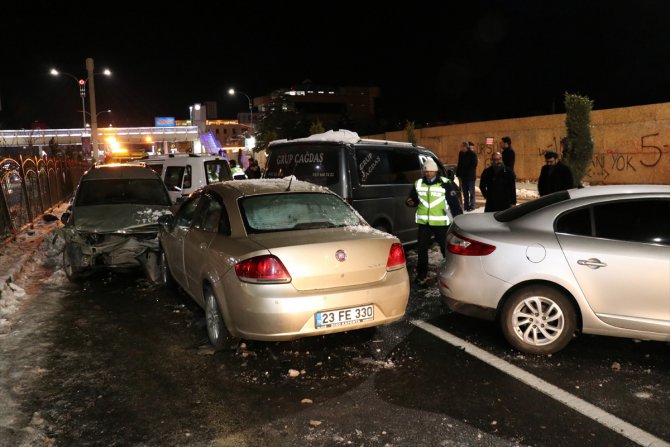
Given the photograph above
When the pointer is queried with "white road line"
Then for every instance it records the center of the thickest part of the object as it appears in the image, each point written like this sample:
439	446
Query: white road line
610	421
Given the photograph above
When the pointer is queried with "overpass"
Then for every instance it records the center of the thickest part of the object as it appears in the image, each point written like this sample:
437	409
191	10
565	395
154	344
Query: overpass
124	135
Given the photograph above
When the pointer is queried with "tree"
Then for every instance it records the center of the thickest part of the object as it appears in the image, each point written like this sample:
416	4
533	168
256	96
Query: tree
316	127
276	122
578	145
411	135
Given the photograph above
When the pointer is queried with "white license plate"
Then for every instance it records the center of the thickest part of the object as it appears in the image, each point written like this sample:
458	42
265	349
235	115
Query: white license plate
341	317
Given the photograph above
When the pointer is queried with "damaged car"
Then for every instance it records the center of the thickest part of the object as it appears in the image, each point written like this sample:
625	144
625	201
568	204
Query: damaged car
113	221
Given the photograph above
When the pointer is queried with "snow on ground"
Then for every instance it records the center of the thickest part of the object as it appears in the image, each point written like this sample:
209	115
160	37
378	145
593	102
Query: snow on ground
20	256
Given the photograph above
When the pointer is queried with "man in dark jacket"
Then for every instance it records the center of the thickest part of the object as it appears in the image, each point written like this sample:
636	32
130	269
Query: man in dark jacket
508	154
466	171
498	185
436	202
554	176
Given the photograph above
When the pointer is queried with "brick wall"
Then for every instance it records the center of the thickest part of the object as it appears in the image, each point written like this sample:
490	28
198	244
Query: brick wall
631	144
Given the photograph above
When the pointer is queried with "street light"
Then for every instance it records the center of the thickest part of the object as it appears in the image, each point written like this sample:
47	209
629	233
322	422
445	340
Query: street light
97	114
82	92
233	92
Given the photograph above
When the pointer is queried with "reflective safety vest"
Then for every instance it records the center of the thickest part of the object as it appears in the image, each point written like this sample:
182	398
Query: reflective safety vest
433	206
238	172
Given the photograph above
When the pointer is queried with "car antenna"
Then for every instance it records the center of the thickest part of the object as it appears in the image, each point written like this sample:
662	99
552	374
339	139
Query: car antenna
289	182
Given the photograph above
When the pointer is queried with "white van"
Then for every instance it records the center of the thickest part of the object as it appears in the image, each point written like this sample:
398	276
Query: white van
184	173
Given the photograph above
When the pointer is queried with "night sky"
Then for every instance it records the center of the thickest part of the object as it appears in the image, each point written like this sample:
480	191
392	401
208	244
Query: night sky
456	62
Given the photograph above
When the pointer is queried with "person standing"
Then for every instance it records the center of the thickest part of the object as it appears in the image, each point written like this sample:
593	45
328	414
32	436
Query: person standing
466	171
508	154
253	171
436	202
498	185
554	176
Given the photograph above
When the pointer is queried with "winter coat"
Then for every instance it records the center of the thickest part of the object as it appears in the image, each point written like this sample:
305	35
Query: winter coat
554	178
451	194
498	188
467	165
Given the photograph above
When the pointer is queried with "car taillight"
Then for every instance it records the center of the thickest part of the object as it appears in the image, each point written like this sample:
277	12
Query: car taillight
461	245
396	258
265	269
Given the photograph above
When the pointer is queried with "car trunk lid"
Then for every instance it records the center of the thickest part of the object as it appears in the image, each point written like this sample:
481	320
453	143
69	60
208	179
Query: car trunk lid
324	259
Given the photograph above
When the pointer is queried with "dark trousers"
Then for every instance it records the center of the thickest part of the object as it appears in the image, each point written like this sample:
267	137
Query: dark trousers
424	241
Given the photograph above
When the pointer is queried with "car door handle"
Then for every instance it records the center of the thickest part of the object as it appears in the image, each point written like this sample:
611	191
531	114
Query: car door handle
593	263
203	246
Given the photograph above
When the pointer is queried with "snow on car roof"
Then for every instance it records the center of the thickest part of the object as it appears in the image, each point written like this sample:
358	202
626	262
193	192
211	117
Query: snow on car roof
264	186
119	170
340	136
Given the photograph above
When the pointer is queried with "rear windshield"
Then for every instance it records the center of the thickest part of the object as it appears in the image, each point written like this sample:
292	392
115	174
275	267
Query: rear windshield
312	163
126	191
515	212
296	211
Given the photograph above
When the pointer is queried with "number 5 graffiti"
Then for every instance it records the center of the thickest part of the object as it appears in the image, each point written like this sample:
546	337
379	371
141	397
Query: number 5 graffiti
656	148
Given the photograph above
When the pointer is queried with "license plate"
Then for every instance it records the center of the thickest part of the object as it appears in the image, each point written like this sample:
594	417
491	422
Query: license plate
341	317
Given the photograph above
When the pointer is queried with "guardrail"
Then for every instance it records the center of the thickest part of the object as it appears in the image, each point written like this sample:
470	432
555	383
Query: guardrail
32	185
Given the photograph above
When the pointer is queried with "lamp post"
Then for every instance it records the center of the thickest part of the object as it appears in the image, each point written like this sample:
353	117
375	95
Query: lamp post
233	92
82	93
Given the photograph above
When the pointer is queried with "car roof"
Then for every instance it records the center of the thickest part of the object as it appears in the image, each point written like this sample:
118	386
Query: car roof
180	156
603	190
266	186
120	170
342	136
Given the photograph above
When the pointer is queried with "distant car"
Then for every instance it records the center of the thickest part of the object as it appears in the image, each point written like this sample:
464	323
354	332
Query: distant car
184	173
281	259
113	220
594	260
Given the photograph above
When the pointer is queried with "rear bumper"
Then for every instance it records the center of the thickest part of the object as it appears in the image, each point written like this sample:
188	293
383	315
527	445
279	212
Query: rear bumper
471	310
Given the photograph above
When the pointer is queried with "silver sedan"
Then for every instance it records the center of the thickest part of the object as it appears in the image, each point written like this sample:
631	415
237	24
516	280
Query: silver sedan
594	260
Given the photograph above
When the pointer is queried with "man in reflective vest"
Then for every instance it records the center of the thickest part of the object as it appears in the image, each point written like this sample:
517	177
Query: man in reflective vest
436	202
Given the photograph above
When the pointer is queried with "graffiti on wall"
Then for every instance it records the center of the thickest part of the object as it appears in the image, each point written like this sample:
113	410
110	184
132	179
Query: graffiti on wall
648	156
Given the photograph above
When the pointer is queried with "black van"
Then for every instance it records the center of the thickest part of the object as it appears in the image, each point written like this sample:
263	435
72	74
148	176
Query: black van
374	176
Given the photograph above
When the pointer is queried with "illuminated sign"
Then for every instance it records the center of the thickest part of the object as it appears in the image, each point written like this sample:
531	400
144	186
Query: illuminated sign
164	121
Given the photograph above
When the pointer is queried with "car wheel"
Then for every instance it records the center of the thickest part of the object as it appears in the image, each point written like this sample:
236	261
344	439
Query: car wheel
538	320
164	275
72	271
216	327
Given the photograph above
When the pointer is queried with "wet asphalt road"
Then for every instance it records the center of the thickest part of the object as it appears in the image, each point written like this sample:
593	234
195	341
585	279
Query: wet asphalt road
116	362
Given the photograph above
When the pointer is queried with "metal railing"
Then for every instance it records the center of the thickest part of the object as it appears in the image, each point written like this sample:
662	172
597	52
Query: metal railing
30	186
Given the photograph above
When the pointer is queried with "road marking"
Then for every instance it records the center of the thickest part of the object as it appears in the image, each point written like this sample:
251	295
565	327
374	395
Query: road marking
610	421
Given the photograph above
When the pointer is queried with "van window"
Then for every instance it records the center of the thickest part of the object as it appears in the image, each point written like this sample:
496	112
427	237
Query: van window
187	177
173	177
316	164
383	167
217	171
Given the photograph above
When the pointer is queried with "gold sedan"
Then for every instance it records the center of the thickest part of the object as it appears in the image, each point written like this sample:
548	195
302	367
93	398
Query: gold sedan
280	260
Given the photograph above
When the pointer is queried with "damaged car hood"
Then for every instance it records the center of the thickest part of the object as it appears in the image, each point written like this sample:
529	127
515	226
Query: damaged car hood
117	218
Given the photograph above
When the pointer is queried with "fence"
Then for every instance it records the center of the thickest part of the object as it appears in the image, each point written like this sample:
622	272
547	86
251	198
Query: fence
32	185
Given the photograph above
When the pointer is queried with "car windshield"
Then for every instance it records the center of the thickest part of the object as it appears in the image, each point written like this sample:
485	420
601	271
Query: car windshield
296	211
515	212
116	191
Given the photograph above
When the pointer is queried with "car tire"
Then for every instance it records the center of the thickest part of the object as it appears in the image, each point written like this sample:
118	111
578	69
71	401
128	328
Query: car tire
218	334
72	271
538	320
165	277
